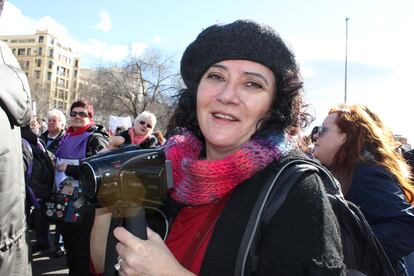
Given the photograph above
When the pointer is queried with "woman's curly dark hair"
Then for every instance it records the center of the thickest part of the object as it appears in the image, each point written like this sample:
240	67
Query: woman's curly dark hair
286	114
243	40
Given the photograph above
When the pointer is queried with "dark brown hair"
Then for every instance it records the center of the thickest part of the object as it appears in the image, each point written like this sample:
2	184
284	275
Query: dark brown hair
83	104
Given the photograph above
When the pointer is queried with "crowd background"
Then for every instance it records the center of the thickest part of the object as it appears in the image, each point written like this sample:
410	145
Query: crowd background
379	160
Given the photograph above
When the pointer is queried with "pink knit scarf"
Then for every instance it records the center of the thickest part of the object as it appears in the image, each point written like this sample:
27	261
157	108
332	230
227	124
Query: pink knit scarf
136	139
198	182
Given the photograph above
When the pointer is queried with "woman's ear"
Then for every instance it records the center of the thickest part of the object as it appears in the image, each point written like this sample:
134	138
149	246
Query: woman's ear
343	138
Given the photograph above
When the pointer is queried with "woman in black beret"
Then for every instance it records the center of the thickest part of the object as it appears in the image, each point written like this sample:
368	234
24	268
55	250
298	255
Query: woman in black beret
230	132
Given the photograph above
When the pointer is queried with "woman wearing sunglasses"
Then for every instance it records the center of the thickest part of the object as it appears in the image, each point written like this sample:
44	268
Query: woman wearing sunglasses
361	153
82	140
141	133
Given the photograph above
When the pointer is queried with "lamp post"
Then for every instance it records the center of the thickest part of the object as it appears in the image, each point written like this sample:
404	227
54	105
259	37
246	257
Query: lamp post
346	55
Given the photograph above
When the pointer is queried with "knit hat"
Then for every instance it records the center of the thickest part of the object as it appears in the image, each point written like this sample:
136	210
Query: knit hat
242	39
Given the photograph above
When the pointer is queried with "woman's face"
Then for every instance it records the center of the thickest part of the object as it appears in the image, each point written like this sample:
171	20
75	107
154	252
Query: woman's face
329	140
143	127
79	117
233	95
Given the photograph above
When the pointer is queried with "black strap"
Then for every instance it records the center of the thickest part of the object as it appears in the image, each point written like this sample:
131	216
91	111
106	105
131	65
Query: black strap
272	196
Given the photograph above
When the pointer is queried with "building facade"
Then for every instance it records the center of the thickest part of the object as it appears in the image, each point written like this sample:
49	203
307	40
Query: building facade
51	68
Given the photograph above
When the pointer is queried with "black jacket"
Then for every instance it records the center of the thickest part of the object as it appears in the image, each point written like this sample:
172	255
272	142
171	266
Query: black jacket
55	143
149	143
303	237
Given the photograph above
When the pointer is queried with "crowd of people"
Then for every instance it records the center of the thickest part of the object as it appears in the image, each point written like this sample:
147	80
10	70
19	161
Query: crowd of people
237	122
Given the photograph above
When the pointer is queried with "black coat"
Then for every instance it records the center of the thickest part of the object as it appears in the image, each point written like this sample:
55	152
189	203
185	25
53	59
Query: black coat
303	237
55	143
149	143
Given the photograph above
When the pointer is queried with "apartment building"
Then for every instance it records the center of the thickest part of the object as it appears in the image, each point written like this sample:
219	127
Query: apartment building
51	68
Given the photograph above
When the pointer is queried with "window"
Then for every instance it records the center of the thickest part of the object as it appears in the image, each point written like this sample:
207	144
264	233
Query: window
21	52
29	51
41	38
61	83
51	52
37	74
49	75
61	94
13	41
75	73
14	51
50	64
61	71
38	62
52	41
67	83
21	63
76	63
39	51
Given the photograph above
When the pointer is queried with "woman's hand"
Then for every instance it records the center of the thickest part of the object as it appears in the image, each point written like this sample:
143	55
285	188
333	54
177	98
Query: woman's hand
62	167
146	257
115	142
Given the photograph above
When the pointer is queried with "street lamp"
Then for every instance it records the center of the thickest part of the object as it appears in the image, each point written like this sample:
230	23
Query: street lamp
346	54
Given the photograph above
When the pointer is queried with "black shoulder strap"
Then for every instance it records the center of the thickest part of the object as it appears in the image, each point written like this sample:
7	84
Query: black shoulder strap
268	202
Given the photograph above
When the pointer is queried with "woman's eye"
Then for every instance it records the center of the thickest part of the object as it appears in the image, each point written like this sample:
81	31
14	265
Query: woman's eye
215	76
254	85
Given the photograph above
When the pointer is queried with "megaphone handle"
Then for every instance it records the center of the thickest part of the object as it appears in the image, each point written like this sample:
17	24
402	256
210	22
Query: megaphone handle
137	224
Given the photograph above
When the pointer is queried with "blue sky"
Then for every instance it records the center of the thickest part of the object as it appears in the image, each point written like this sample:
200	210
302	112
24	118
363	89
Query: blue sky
380	40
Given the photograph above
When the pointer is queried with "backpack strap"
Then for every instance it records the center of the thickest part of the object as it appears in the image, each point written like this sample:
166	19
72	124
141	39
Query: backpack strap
272	196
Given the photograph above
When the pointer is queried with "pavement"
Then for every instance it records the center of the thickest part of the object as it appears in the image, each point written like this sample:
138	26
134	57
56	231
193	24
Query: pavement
45	263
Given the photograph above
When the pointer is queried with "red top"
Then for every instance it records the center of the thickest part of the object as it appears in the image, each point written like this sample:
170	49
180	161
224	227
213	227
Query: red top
191	233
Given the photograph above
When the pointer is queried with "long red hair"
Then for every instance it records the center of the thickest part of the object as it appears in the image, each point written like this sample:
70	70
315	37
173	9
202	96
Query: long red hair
368	140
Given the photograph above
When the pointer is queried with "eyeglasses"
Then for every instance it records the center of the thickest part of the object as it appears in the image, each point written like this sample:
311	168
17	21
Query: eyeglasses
81	114
144	124
322	130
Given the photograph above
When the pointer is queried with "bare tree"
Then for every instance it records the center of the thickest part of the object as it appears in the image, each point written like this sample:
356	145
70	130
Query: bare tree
40	96
142	83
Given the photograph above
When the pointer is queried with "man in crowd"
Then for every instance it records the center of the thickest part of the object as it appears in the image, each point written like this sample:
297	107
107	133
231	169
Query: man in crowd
15	111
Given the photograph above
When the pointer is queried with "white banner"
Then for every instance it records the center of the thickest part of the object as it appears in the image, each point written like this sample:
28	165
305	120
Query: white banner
115	122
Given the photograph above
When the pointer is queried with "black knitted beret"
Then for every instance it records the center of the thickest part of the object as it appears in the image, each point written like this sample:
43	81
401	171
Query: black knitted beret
242	39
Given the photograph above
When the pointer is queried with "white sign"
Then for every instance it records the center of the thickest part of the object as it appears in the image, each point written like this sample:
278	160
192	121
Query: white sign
115	122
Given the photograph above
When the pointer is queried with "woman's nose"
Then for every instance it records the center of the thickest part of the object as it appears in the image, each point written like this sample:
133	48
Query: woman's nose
229	94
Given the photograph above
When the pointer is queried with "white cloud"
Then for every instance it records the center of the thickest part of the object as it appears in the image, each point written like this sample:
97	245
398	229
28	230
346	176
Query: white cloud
138	48
106	23
157	39
13	22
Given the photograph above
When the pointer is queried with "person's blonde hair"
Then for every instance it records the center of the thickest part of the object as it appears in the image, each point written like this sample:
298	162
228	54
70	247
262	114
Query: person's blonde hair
368	140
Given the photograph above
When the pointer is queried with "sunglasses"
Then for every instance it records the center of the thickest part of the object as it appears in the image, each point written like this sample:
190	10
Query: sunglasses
81	114
144	124
322	130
